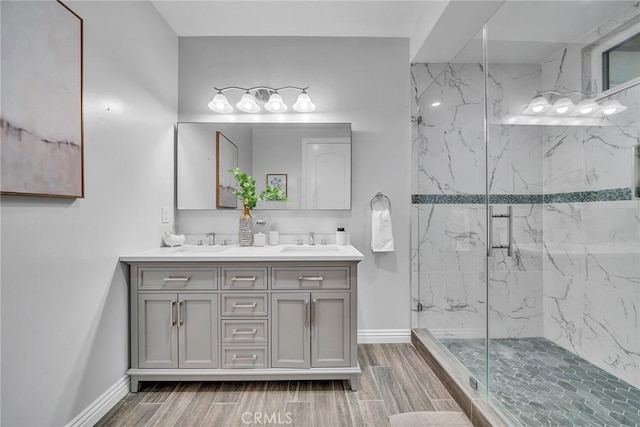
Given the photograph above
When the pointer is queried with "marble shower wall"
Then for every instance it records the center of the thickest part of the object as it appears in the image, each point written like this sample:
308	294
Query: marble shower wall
575	279
592	249
449	244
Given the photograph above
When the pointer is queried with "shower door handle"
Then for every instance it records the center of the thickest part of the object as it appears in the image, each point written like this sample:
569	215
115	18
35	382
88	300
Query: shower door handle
509	245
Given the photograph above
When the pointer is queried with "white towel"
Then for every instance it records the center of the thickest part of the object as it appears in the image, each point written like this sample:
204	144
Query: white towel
381	232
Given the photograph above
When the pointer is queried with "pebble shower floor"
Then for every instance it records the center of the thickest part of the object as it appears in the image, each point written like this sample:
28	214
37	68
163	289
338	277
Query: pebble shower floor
542	384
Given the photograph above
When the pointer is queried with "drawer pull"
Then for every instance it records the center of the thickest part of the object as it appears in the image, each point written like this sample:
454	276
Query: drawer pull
306	312
311	278
177	279
244	332
252	305
244	279
252	357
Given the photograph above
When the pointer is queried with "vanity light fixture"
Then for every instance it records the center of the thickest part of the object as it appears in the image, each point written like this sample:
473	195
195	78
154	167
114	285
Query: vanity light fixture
270	96
248	103
538	105
275	103
303	103
612	107
220	103
586	106
564	106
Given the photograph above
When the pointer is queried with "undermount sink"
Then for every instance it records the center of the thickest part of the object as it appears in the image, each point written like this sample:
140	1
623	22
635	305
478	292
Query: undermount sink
310	249
190	249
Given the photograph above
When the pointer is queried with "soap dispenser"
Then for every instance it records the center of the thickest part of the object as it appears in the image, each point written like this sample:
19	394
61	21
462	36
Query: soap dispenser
341	237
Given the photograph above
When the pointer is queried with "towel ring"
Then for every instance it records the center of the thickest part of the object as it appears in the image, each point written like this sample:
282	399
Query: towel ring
380	197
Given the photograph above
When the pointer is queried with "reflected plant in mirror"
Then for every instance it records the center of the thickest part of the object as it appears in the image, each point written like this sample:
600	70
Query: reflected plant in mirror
246	191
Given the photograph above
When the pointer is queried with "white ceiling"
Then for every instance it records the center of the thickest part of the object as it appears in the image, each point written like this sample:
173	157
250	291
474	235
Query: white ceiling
520	30
311	18
532	31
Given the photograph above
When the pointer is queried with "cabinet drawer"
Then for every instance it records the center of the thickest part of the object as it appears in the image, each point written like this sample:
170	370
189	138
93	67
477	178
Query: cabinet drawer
244	305
244	278
311	277
244	357
158	278
244	331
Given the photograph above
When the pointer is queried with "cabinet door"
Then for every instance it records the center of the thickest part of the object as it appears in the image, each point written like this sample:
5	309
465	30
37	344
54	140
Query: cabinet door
290	346
330	329
157	331
198	330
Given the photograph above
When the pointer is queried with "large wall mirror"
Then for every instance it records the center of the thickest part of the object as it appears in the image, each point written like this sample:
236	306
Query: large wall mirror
310	161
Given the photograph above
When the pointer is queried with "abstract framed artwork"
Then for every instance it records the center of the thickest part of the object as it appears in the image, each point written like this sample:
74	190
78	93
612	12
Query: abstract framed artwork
278	180
226	159
41	143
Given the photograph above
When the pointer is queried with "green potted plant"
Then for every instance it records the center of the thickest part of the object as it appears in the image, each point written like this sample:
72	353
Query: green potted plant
246	192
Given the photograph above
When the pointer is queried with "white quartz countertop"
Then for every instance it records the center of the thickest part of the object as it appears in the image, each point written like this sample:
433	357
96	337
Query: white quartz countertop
190	253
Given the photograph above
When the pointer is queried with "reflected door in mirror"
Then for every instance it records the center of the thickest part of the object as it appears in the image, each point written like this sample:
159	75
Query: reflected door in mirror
326	161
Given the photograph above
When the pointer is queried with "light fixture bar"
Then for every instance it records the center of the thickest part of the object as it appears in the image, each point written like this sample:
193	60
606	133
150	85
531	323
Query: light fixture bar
274	104
587	106
261	87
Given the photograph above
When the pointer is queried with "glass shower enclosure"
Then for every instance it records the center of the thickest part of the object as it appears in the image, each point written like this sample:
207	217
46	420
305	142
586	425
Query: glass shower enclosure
526	218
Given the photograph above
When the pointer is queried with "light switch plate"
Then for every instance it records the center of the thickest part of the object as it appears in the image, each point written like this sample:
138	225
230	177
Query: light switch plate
166	214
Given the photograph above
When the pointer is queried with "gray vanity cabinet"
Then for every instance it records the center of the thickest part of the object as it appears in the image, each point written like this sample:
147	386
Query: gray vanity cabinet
177	330
330	329
157	332
198	331
243	320
290	330
311	329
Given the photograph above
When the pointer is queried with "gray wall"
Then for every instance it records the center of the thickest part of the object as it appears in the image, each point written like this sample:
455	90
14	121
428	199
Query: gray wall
357	80
64	296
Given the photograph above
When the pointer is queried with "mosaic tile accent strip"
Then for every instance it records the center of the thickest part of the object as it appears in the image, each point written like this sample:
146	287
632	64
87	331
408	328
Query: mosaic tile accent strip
526	199
590	196
447	199
542	384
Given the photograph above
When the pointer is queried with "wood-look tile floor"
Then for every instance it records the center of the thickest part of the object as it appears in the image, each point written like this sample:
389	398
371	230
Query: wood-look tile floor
395	379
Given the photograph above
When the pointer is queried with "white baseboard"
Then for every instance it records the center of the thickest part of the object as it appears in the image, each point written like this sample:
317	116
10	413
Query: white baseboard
103	404
384	336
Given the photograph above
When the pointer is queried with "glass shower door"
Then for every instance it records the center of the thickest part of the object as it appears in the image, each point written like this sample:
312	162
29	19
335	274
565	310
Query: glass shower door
563	288
449	209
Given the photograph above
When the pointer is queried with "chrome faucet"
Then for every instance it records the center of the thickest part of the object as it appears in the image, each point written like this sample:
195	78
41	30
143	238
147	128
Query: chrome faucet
212	238
312	239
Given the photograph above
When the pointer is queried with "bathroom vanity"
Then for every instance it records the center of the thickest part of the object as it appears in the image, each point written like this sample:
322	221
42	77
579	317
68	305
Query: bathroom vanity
229	313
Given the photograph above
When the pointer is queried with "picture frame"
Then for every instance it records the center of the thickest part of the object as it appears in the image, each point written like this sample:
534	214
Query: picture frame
42	128
278	180
226	159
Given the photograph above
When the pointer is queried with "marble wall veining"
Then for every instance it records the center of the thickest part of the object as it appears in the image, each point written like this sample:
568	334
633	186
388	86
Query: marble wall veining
450	228
591	283
575	276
